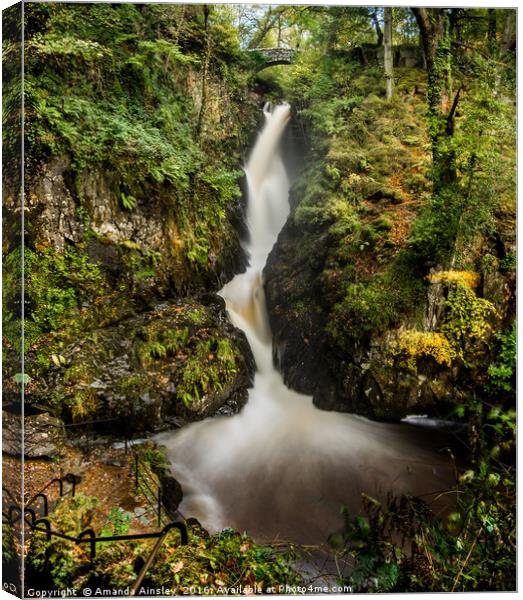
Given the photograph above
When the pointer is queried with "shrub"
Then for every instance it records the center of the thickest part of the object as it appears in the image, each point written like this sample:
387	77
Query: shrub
502	372
414	345
467	322
467	278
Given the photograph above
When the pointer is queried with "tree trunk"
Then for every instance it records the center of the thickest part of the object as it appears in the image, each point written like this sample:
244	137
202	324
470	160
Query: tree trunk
422	50
492	27
379	33
271	19
509	36
444	206
387	53
434	28
205	71
455	24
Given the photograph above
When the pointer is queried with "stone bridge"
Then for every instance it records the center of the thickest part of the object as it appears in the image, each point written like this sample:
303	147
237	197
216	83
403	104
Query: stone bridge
275	56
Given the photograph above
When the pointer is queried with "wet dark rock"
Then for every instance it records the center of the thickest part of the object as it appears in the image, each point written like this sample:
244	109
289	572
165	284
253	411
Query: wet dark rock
172	494
106	255
296	319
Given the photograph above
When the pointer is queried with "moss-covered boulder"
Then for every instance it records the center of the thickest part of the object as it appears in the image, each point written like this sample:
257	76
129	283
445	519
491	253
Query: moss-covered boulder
181	360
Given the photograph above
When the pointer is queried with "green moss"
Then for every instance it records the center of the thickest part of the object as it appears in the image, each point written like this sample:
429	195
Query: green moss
372	306
159	343
135	385
198	316
57	283
212	363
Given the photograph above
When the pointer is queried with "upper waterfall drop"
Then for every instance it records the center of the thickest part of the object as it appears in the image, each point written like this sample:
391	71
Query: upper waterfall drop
267	211
268	187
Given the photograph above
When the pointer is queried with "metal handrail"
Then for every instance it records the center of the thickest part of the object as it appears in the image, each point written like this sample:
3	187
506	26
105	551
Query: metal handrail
154	552
88	536
68	478
143	486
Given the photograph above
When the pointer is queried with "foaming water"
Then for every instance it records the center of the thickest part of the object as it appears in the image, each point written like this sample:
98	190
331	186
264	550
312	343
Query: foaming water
282	468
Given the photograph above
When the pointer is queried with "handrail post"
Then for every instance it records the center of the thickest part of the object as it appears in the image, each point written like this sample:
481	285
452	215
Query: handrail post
10	511
45	503
92	542
47	525
32	513
159	506
61	486
184	540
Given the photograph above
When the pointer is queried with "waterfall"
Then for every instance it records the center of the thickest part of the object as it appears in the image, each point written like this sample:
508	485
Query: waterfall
282	468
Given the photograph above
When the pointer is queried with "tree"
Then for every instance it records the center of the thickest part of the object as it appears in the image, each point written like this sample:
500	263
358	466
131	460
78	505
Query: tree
379	33
491	27
434	29
508	41
387	53
270	19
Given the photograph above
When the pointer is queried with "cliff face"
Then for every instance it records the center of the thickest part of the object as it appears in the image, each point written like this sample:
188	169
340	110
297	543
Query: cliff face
359	322
133	214
68	208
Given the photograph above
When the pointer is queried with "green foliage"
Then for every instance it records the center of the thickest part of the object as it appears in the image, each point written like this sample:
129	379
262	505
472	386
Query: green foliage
376	305
434	231
471	550
365	309
9	552
128	202
112	87
12	299
153	456
509	262
502	372
140	263
59	558
56	284
468	321
118	522
482	151
227	559
212	363
164	343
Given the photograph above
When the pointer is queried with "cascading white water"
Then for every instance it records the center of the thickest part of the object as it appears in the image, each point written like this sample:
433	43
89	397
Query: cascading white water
282	468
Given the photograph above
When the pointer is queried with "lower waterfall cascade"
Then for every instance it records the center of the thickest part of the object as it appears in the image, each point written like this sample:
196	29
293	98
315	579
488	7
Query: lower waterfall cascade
282	468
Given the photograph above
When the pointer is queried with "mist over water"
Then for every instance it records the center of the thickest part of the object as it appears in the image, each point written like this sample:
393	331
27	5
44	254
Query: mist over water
282	468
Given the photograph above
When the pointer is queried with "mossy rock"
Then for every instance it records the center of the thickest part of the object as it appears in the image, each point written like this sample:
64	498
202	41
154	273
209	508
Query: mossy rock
181	360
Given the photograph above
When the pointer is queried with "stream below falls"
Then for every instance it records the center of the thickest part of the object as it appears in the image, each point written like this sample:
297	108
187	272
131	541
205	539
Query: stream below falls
282	468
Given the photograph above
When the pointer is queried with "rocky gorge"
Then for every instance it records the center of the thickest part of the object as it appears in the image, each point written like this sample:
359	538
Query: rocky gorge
271	349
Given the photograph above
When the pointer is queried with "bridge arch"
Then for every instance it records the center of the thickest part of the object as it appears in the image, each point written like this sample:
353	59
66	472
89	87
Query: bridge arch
275	56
